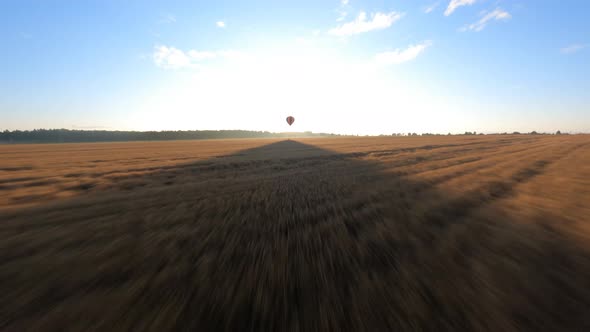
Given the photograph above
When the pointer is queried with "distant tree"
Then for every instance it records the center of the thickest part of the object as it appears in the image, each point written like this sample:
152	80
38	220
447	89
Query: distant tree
534	133
558	132
516	133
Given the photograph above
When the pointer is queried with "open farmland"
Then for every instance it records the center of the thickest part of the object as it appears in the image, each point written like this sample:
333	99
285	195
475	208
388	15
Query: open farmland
475	233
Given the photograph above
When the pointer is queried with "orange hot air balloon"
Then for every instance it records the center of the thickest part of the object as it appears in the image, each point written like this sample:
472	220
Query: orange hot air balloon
290	120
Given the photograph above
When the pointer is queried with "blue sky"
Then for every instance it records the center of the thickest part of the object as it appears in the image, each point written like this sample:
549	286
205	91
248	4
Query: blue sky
356	67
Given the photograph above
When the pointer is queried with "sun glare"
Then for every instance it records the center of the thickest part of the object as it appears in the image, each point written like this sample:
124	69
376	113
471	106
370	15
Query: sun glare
325	91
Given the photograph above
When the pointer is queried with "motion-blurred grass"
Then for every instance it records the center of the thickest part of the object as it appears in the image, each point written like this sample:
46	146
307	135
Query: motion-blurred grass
373	234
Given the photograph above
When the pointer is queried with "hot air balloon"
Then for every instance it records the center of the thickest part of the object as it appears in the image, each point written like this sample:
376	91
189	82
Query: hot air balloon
290	120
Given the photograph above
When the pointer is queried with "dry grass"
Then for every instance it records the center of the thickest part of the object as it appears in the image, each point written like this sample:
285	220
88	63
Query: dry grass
416	234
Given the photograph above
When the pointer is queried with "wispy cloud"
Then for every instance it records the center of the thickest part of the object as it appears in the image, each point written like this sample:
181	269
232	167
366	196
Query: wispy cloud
168	18
430	8
342	10
402	55
342	15
361	24
496	15
570	49
220	24
454	4
169	57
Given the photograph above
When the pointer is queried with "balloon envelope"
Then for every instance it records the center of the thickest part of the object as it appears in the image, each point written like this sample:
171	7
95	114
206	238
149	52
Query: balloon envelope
290	120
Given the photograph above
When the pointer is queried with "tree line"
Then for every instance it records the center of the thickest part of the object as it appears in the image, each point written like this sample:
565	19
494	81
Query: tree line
473	133
81	136
85	136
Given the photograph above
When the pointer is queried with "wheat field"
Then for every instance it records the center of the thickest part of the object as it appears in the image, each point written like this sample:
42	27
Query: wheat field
458	233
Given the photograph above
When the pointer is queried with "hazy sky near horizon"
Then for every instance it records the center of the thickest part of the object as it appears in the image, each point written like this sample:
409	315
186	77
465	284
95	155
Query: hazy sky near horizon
342	66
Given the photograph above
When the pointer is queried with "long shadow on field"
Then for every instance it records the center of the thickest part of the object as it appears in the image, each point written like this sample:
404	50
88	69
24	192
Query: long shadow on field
288	236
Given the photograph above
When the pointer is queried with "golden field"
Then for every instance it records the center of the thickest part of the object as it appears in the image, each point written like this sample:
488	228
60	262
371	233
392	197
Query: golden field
469	233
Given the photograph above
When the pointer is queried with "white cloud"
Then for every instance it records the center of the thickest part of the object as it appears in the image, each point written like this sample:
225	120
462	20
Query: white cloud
496	15
169	57
201	55
573	48
344	2
220	24
428	9
378	21
454	4
400	56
